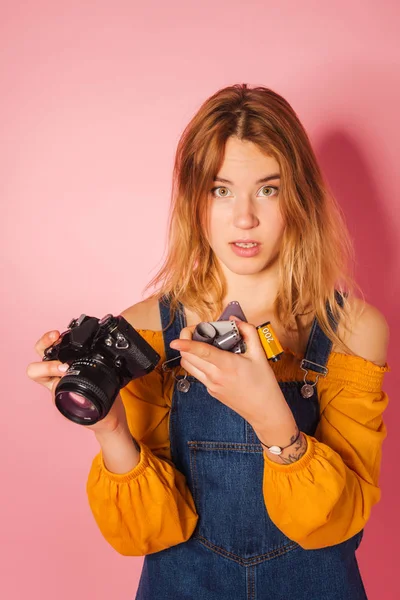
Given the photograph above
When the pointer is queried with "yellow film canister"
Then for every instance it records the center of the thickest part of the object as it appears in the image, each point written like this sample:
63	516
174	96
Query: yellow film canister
269	341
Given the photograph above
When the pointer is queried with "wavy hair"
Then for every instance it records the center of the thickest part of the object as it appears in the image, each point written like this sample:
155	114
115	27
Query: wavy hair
316	255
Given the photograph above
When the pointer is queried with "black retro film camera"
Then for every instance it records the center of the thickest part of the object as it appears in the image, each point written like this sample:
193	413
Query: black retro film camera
104	355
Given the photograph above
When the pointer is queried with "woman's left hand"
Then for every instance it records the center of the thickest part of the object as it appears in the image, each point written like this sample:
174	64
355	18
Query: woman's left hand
244	382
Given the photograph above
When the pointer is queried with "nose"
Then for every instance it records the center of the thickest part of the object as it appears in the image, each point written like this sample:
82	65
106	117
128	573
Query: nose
244	216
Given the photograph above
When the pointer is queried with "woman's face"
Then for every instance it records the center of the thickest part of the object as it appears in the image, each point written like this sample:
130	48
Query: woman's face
244	208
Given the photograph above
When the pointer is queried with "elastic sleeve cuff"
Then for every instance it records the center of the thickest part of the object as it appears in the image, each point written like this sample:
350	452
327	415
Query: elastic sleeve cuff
299	465
130	475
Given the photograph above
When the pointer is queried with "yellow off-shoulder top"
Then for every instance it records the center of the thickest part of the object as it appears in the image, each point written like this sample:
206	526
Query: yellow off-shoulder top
336	482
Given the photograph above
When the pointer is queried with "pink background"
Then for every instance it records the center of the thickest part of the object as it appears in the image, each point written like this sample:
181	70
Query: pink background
94	97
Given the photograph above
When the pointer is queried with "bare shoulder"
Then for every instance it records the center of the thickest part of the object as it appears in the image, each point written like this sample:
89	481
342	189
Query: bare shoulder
144	314
367	334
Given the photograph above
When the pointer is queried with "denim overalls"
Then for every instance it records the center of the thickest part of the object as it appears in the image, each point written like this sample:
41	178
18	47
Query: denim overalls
236	552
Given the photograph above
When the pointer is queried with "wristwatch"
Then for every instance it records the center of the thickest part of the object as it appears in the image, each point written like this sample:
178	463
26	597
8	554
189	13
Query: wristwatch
277	449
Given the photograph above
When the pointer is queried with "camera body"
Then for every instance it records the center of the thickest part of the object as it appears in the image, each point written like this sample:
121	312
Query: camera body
104	355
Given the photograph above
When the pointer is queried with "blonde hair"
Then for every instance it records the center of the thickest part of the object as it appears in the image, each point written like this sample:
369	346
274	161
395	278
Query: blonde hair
316	256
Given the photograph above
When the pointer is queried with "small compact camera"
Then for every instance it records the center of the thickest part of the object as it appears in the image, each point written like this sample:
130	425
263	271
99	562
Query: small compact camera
104	355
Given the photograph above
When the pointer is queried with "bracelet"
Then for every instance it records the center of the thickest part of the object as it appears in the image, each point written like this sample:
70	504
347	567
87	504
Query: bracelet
277	449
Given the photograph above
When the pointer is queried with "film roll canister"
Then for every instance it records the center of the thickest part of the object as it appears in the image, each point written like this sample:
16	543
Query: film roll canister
269	341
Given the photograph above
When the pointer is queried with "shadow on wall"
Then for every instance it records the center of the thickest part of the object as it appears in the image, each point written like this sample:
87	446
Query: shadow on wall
366	210
352	180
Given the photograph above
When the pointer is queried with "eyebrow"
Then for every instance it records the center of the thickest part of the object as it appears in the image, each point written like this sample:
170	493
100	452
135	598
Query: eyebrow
263	180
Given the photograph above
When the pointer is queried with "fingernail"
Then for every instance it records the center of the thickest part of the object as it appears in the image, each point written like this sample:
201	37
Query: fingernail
174	344
52	335
63	367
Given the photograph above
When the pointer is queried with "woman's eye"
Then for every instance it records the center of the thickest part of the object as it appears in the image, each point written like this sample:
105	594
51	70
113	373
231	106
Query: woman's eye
218	188
265	187
271	187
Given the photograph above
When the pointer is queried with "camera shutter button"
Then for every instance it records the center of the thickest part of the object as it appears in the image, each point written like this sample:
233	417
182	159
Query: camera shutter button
105	319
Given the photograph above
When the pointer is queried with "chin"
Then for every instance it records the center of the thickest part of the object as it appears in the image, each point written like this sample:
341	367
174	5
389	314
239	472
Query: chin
245	266
246	271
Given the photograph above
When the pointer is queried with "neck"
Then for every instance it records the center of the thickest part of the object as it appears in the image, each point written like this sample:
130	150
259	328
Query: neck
256	292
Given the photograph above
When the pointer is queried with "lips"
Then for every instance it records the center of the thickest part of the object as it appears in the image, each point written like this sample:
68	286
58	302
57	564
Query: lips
245	242
246	252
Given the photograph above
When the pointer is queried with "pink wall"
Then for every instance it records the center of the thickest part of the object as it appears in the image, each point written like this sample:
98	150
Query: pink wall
94	97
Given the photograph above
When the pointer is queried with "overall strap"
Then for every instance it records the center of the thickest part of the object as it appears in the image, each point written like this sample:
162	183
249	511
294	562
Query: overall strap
317	352
173	331
319	345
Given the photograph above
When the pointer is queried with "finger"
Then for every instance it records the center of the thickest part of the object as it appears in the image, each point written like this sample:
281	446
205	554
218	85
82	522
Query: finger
45	341
208	369
187	332
43	372
205	351
192	370
250	337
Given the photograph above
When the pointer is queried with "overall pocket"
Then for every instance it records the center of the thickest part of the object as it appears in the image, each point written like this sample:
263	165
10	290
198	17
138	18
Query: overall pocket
227	479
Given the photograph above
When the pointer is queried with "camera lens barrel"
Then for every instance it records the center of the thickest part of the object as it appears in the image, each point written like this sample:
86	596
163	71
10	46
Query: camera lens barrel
87	391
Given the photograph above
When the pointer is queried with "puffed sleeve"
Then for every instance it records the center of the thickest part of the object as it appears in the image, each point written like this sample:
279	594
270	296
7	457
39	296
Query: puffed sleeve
326	497
149	508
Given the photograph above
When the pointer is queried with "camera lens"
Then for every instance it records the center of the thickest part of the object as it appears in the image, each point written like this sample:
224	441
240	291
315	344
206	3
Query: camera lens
77	399
77	408
87	391
81	401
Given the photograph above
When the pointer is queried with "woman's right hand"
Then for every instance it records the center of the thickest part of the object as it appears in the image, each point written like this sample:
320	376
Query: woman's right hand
48	374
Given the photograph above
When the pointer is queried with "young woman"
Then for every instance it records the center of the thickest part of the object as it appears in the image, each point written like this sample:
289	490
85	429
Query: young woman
186	475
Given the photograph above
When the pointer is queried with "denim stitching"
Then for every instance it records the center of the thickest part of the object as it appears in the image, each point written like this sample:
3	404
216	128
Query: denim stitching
206	445
250	581
247	561
193	469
